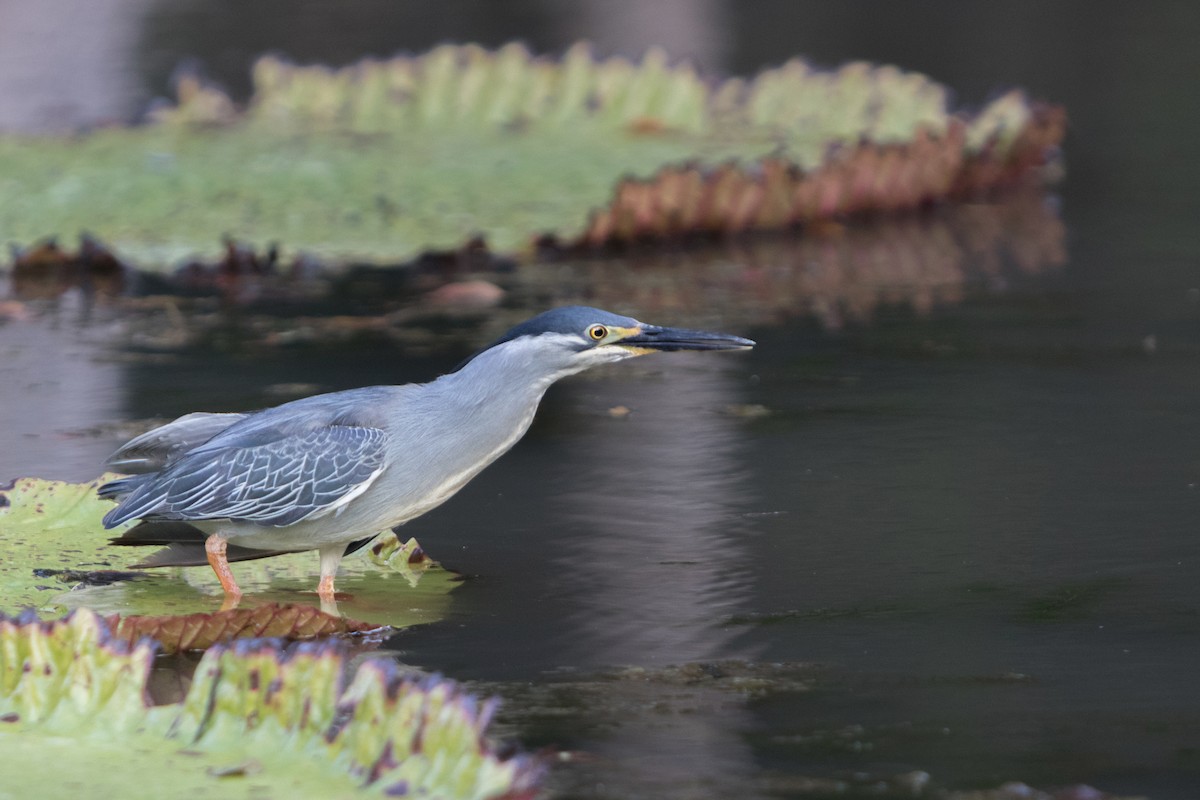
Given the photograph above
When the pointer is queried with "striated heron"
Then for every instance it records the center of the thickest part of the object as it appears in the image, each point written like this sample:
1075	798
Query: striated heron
330	472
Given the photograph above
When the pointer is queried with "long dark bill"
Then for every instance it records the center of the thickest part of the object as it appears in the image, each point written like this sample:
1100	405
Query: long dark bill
652	337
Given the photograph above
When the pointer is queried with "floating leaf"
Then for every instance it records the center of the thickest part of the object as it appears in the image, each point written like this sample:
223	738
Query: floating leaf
383	160
256	722
55	548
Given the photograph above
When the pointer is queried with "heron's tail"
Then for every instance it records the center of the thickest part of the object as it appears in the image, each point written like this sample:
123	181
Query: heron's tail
114	490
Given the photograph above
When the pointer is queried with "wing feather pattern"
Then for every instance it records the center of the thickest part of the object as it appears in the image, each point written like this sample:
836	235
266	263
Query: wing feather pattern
278	482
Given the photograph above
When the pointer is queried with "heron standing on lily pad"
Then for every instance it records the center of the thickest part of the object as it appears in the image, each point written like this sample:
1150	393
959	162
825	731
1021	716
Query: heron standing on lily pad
330	472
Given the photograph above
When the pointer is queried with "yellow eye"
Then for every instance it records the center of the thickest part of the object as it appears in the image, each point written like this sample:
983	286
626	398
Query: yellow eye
597	332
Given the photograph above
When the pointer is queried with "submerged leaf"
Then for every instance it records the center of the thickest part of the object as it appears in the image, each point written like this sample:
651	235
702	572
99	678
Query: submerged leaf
176	633
261	721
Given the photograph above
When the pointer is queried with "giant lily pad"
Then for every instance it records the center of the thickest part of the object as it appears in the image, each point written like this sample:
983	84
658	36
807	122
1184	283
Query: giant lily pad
56	551
385	159
256	722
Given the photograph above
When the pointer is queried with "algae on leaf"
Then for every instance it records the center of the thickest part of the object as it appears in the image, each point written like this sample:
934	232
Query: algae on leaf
49	528
383	160
256	722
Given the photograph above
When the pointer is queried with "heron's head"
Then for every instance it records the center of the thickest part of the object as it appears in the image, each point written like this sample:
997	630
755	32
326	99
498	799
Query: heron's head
571	339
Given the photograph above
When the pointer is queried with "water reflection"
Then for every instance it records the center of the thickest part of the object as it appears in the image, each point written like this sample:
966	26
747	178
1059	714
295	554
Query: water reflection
843	274
837	273
653	553
55	395
656	550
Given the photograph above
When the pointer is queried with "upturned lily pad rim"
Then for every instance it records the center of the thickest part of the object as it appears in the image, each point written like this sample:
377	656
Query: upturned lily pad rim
282	722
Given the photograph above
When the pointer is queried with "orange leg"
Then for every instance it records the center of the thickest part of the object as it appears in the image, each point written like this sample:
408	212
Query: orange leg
331	556
214	547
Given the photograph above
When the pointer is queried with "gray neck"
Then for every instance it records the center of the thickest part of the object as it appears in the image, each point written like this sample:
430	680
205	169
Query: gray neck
466	420
515	369
498	391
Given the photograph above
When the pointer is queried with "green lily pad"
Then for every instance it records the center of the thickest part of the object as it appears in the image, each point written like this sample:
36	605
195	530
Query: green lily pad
256	722
54	545
383	160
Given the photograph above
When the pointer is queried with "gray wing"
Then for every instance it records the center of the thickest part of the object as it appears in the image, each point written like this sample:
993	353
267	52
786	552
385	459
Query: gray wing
277	482
155	449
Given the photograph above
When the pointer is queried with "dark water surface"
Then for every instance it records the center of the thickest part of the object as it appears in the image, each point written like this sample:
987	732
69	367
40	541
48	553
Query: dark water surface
978	521
964	534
